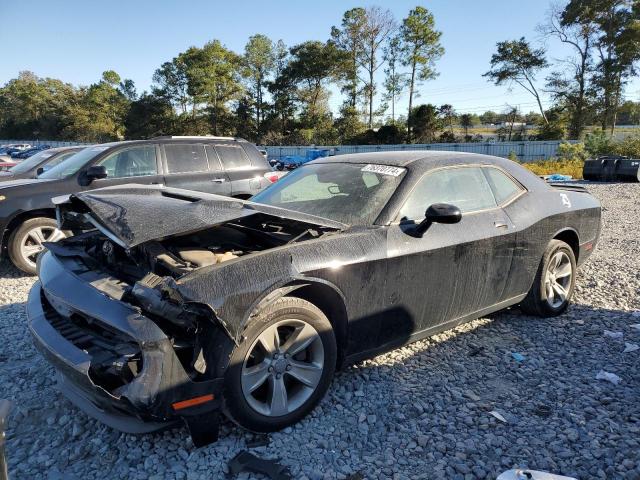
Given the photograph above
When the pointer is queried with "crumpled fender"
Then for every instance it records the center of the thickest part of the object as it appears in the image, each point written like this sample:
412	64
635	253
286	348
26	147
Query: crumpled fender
229	289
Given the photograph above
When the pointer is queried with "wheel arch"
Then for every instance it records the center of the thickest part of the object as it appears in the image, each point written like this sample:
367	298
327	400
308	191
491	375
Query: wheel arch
324	295
570	237
21	217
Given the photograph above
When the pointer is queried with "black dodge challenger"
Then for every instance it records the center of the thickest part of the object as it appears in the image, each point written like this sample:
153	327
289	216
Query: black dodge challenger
173	305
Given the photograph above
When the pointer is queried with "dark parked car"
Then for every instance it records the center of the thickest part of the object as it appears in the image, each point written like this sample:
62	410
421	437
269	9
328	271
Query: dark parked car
181	305
21	155
221	165
38	163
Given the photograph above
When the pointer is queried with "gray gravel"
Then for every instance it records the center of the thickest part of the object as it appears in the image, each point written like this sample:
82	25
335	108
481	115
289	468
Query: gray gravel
422	411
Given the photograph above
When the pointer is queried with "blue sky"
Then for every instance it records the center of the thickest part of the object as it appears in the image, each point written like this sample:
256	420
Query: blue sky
77	40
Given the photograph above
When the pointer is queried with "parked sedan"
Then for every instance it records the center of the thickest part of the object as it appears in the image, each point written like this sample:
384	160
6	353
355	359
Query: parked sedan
179	305
38	163
6	165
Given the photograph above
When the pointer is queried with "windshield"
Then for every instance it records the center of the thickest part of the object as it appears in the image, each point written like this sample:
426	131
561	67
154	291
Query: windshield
73	163
353	194
31	162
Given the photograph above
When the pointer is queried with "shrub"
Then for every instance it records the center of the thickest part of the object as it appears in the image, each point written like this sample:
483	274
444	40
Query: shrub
563	167
598	143
572	151
629	147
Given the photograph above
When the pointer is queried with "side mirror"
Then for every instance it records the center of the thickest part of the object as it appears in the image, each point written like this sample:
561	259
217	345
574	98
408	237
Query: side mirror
438	213
96	172
39	171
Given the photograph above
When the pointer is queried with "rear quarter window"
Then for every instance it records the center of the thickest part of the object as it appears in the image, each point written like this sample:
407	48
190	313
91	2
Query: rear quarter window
503	187
233	157
185	158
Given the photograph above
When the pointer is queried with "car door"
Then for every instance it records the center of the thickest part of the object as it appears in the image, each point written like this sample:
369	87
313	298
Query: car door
193	167
134	164
453	270
246	180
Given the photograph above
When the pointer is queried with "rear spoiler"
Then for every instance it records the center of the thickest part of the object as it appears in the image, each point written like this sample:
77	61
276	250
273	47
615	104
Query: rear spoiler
568	186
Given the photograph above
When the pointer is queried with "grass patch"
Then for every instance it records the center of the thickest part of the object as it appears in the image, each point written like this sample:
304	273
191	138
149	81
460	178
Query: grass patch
563	167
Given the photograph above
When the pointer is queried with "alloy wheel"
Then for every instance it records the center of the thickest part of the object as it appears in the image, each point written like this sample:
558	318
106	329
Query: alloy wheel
282	368
32	242
558	279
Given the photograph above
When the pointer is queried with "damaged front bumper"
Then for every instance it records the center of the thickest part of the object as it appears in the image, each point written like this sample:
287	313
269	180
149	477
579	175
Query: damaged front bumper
81	331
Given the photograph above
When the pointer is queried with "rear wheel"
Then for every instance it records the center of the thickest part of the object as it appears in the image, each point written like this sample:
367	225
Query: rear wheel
553	286
26	242
282	368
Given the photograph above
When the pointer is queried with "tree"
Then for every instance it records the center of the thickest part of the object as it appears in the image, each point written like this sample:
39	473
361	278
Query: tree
348	38
379	24
34	107
421	49
425	122
149	116
448	114
99	115
395	82
489	117
466	122
171	83
282	89
617	47
515	61
571	91
259	61
312	65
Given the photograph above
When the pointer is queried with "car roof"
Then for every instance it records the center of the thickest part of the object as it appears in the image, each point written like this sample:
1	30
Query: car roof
415	159
175	139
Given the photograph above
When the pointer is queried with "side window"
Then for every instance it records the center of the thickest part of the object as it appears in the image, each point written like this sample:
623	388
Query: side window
214	161
233	158
185	158
132	162
59	159
504	188
465	187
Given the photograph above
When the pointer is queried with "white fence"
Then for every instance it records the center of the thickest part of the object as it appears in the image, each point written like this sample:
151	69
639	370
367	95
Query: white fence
525	151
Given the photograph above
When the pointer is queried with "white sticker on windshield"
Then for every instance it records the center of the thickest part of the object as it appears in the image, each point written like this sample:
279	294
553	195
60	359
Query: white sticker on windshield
383	169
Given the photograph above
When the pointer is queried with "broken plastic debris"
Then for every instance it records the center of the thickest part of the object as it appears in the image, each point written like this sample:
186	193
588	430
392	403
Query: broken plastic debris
518	357
614	335
608	376
630	347
518	474
498	416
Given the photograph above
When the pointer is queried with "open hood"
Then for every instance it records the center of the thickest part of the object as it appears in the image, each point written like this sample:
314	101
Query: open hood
135	214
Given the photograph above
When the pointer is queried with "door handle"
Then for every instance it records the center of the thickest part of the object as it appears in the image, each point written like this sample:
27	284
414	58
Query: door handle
500	224
218	180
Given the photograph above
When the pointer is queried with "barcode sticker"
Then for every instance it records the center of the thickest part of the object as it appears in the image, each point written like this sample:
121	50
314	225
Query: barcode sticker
383	169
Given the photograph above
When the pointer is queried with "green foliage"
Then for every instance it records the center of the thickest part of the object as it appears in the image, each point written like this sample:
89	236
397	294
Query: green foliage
421	49
425	123
516	61
563	167
598	143
149	116
629	147
572	151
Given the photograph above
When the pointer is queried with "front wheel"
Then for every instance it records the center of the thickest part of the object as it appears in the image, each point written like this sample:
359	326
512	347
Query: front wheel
26	242
282	368
555	280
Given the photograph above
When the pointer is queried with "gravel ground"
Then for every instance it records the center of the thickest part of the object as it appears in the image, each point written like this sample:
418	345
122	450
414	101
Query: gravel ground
422	411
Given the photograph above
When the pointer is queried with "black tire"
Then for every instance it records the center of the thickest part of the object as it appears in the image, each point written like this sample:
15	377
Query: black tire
536	302
236	405
18	236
